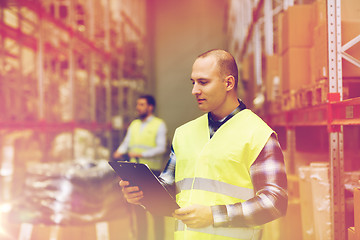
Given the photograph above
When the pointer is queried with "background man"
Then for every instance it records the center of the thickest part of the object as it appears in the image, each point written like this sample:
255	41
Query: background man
145	142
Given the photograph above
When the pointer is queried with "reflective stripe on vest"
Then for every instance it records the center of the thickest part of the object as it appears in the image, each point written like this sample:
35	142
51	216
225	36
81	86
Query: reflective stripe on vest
234	233
144	139
216	187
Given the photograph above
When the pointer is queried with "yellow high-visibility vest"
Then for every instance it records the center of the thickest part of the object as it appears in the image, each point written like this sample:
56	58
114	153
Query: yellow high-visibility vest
216	171
144	139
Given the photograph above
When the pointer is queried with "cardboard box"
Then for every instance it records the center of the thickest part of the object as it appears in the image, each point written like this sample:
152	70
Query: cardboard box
248	77
320	64
278	33
350	9
295	69
272	77
320	12
297	28
272	64
313	69
349	30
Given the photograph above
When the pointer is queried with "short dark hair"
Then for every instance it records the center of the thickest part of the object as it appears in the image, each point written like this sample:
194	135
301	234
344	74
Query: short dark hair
149	99
226	63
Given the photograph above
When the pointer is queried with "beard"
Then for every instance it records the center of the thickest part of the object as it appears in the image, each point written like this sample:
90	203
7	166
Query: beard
142	116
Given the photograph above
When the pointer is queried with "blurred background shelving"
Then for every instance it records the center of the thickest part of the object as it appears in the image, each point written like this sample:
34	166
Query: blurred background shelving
66	93
71	71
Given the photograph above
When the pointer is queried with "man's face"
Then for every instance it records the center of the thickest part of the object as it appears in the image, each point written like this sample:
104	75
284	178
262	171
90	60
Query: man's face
143	108
209	87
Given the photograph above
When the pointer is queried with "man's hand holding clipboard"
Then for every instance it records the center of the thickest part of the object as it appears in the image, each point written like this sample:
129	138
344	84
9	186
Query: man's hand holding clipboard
132	194
140	186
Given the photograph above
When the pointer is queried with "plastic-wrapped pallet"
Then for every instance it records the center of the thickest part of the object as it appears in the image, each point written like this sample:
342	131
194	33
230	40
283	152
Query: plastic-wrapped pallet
67	193
315	201
307	213
69	200
320	185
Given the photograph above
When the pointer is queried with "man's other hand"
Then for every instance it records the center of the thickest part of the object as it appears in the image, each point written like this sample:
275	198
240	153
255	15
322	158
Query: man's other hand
195	216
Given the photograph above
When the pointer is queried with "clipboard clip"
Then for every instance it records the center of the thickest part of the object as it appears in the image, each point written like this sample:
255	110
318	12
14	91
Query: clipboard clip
125	158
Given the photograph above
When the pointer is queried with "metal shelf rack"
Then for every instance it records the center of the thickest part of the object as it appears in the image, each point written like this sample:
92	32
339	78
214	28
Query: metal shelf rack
257	19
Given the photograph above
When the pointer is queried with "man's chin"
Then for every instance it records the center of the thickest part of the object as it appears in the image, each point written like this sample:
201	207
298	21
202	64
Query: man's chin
202	108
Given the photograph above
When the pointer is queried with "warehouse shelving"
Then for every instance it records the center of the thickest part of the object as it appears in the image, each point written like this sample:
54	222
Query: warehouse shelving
331	112
67	65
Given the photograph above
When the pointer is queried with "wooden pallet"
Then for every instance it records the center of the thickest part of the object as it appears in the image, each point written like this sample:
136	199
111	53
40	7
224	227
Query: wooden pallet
303	98
317	94
288	101
273	107
351	88
320	92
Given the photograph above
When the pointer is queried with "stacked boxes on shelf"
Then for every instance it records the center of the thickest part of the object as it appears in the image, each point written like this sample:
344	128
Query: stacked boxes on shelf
293	47
350	28
248	76
296	42
319	50
301	46
272	82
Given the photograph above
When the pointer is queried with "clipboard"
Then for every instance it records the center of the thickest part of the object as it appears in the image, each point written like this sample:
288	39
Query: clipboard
157	199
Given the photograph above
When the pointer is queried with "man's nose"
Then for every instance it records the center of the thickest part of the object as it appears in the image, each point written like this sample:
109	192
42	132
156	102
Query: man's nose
195	89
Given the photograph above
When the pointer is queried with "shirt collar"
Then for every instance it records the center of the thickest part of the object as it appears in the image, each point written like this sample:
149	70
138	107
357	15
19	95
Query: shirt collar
238	109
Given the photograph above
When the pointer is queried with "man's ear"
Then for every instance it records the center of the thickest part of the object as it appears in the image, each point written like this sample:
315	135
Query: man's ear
230	82
151	107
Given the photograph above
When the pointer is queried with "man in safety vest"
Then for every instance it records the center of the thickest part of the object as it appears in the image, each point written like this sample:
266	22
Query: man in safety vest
145	142
227	165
